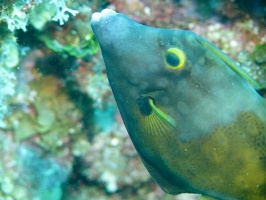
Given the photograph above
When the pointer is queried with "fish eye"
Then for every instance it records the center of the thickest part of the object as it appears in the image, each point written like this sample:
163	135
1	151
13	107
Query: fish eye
175	58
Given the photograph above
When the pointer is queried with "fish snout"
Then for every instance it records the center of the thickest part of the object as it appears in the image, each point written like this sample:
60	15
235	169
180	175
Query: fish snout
103	15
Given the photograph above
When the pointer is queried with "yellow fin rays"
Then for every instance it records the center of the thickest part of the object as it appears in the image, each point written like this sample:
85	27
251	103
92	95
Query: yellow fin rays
158	122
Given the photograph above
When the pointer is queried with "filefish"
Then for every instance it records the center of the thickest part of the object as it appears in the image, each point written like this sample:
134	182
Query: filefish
193	115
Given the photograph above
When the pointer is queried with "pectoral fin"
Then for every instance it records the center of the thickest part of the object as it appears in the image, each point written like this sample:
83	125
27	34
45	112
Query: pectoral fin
155	121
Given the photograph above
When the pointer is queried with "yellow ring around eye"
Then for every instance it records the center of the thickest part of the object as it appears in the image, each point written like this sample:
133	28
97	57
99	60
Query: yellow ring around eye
175	58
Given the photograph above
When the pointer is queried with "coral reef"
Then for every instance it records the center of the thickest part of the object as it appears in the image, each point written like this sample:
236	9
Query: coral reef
7	84
26	173
17	14
117	162
61	136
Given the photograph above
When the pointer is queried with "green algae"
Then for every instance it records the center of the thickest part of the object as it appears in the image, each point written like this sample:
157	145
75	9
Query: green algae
87	46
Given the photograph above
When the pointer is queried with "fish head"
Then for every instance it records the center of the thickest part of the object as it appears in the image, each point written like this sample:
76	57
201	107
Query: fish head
143	61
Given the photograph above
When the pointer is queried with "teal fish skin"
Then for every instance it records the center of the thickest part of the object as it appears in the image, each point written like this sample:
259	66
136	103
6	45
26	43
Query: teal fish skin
198	128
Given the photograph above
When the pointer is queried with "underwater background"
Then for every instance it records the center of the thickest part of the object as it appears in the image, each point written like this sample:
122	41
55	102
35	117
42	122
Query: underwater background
61	135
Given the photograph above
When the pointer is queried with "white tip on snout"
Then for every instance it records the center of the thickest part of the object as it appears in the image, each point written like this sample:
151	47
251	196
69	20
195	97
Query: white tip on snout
96	16
104	14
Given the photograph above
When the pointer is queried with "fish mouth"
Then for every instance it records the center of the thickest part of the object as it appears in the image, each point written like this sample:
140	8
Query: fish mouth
104	14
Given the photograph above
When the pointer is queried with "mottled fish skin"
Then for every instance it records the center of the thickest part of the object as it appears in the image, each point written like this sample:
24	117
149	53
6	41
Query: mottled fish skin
200	128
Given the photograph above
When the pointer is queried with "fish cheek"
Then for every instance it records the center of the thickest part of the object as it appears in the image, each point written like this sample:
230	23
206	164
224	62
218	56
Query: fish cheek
157	145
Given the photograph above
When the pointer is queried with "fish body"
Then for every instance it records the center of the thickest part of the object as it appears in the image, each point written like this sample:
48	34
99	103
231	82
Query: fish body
193	116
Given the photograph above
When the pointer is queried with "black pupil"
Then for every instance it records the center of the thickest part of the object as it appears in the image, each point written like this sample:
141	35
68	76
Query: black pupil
172	59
